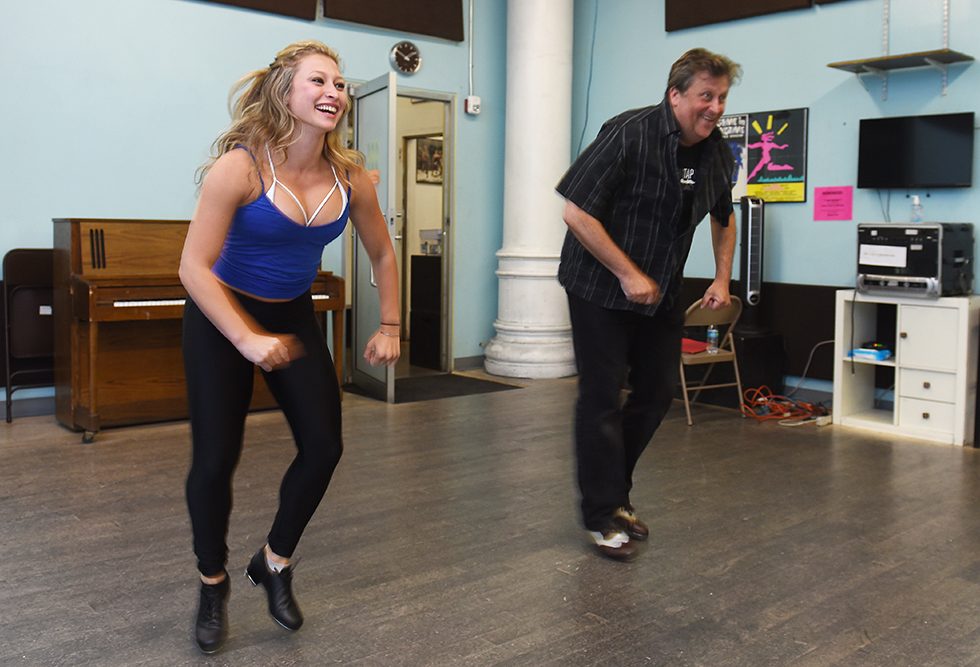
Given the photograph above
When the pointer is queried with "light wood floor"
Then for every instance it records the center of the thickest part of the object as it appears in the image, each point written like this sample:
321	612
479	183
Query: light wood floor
450	537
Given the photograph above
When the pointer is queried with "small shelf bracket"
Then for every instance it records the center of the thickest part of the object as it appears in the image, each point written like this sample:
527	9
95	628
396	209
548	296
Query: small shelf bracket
880	73
942	67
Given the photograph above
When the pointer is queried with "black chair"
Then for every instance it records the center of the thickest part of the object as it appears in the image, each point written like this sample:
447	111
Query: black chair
27	302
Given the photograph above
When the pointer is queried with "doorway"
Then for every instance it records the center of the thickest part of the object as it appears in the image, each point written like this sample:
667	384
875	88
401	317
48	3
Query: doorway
417	189
422	194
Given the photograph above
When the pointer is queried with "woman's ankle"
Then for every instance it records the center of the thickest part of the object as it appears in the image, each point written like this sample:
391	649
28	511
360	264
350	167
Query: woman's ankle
274	561
212	581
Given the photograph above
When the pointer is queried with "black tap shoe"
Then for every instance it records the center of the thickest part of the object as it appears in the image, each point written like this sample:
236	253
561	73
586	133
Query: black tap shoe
279	587
211	628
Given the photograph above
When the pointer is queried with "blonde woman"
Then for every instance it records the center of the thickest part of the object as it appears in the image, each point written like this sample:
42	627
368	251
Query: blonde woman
280	187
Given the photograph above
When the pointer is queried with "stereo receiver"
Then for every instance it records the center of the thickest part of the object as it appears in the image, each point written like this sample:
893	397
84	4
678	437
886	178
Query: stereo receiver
927	259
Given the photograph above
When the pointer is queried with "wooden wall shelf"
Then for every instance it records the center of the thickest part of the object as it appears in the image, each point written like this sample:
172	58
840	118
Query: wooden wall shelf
902	61
882	65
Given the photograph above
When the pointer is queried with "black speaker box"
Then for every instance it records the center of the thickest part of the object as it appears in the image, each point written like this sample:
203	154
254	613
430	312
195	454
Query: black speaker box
750	257
761	361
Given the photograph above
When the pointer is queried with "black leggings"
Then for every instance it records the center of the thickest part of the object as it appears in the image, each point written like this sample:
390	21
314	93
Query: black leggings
219	390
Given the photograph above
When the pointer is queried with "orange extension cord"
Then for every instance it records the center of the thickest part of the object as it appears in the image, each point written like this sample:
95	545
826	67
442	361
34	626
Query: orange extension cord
762	405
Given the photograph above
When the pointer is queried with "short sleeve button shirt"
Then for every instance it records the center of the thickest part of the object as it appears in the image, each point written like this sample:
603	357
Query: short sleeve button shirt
628	180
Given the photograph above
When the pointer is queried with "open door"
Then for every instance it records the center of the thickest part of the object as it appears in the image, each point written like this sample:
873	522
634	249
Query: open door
374	136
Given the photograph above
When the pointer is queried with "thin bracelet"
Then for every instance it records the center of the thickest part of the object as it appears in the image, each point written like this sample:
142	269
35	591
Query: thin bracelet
387	334
391	324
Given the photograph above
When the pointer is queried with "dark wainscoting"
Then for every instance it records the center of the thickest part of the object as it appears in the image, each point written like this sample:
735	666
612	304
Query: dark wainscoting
802	314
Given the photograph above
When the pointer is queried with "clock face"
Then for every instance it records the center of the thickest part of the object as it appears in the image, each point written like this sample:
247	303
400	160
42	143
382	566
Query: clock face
405	57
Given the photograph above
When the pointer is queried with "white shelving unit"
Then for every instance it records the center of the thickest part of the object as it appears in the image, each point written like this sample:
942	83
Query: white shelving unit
933	369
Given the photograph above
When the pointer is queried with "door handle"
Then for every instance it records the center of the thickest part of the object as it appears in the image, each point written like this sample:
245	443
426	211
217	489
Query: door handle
374	283
398	237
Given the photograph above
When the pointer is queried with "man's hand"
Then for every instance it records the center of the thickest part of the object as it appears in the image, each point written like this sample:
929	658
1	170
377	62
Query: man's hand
716	296
640	288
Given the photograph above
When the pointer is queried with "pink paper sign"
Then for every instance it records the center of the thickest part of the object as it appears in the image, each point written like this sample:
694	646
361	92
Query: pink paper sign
833	203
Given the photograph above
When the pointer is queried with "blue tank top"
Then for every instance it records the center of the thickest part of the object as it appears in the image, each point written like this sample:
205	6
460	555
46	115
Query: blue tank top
268	255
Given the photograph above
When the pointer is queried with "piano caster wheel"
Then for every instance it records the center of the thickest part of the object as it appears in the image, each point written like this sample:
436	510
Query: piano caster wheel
88	437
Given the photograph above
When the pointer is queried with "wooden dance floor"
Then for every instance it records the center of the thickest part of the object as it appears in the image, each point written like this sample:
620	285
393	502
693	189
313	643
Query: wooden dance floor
450	537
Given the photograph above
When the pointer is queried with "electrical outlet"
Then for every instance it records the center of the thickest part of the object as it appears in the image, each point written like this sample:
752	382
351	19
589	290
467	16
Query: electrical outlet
471	105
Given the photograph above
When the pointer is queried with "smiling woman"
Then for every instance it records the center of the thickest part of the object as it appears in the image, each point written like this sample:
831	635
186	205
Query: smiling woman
253	248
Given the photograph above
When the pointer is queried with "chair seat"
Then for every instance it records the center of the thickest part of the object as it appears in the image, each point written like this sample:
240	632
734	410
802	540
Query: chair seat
705	358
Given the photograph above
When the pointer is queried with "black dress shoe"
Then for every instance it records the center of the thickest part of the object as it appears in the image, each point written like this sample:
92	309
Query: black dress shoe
279	588
613	543
626	520
211	628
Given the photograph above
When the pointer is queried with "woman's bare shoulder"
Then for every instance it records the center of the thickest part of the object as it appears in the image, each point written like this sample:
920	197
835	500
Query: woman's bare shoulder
236	171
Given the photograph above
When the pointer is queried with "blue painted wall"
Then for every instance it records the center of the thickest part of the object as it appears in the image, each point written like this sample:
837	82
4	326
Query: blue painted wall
784	57
110	105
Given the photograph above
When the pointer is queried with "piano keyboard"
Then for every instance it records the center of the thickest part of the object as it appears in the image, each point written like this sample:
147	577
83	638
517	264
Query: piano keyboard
151	303
176	302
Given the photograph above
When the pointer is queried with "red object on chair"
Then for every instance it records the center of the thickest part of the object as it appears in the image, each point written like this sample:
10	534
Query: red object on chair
691	346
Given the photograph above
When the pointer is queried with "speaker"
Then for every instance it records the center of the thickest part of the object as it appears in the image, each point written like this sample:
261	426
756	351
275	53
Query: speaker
750	263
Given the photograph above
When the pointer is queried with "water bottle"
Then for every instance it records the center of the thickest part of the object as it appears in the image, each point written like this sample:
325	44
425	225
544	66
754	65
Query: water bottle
916	208
712	339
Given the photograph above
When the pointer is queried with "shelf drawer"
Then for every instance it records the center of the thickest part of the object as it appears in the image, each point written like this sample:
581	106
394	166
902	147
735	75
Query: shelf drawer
920	415
927	385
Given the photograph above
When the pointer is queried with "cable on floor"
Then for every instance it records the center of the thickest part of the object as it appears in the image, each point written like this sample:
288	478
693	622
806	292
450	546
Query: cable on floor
762	405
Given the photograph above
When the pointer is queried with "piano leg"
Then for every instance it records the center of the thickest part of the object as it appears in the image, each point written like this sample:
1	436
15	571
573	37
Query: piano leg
93	345
338	347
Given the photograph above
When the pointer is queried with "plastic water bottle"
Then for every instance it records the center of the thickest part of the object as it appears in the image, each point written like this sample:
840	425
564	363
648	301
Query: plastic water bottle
916	208
712	339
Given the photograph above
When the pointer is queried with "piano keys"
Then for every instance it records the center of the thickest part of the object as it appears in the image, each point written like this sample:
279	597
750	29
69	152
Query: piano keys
118	305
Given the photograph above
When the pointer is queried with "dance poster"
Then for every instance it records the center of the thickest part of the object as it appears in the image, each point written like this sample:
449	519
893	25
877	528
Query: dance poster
776	160
733	130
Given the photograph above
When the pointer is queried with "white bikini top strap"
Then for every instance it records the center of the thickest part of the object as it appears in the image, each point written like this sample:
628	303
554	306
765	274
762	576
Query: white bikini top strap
275	181
271	192
343	190
336	184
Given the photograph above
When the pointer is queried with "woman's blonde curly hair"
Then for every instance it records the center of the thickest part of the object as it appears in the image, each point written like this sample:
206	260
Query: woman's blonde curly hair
260	116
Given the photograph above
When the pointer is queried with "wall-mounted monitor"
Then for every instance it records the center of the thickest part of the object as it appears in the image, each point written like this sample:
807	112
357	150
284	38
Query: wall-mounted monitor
916	152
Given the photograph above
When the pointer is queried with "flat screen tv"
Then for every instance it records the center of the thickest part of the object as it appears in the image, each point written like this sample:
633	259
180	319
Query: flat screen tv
916	152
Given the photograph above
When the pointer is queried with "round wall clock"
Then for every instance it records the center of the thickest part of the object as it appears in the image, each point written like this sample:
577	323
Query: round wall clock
405	57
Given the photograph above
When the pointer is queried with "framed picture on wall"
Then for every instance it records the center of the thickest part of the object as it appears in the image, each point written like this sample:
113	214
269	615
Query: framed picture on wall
734	130
769	149
428	160
776	158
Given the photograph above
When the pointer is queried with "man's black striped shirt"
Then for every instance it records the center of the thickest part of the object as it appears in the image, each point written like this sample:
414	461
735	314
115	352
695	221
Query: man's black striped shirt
628	179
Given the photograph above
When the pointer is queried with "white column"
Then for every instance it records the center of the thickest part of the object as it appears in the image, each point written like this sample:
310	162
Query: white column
534	337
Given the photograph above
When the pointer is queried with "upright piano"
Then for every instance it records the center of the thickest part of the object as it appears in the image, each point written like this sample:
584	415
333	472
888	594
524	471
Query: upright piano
118	304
